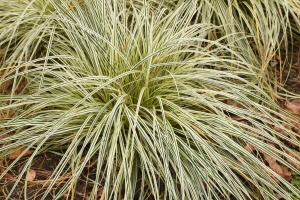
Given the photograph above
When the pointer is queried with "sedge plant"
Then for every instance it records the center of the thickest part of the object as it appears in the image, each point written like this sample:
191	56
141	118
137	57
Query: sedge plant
160	97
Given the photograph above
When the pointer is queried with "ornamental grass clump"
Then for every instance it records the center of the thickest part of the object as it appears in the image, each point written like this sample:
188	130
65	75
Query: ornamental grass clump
160	98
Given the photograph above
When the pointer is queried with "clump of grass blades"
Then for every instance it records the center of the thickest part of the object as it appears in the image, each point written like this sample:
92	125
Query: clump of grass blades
139	90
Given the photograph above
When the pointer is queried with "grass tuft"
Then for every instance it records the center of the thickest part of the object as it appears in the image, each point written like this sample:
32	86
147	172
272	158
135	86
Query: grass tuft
160	97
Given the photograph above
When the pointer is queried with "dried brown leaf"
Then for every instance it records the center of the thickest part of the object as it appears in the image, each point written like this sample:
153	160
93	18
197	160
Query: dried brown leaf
276	128
5	85
281	170
250	147
297	64
270	174
293	106
100	194
234	103
3	136
293	155
296	126
1	167
18	152
20	87
278	196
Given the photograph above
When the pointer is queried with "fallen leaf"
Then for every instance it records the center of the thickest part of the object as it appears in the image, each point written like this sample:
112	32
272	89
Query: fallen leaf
293	106
278	196
274	62
4	86
1	167
281	170
291	161
100	194
3	136
250	147
20	87
277	57
296	126
271	175
6	175
297	64
233	103
276	128
293	123
18	152
31	175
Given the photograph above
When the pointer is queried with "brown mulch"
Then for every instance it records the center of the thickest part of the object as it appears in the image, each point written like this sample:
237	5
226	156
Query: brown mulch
290	61
43	166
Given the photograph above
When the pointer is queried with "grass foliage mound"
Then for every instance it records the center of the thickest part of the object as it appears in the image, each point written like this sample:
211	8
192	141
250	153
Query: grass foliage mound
160	97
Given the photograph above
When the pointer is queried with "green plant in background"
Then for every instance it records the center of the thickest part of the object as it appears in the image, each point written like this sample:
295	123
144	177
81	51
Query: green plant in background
140	89
296	181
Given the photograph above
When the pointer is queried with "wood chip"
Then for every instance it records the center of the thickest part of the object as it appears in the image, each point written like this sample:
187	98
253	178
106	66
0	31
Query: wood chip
31	175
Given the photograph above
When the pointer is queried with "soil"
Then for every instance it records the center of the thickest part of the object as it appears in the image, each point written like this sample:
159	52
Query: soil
43	165
290	76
